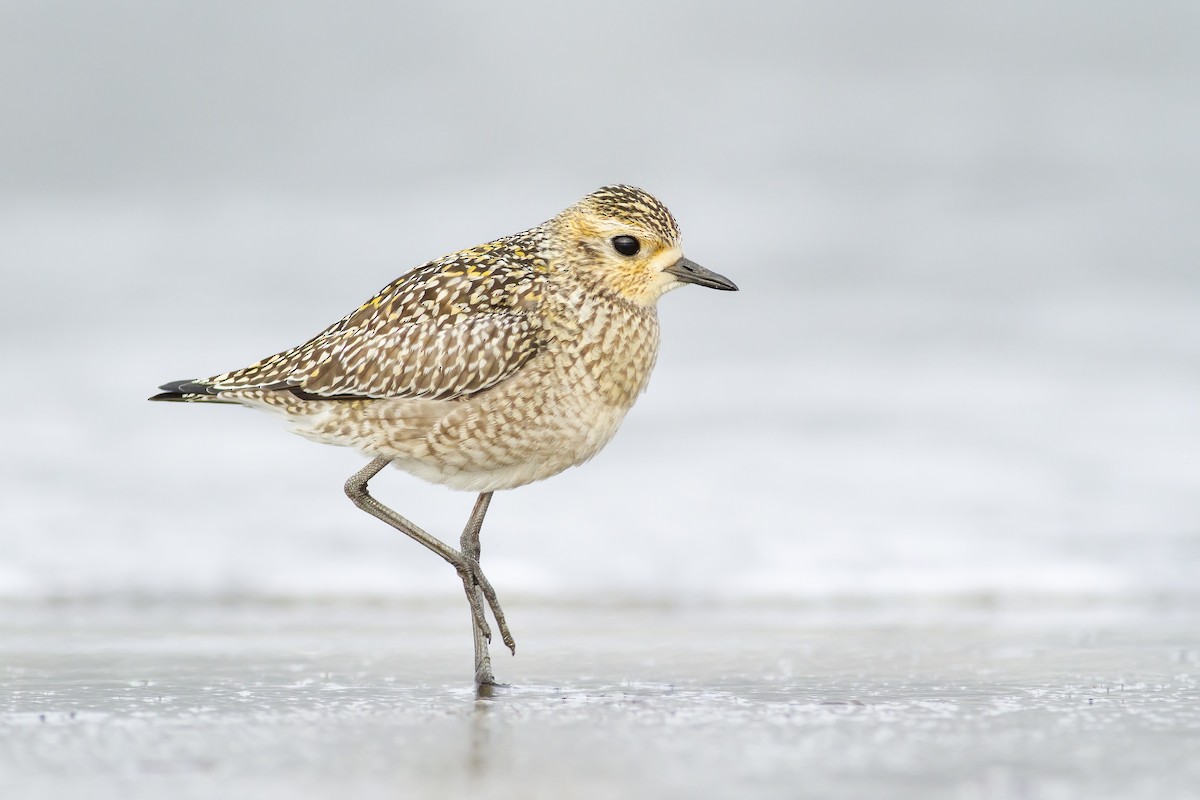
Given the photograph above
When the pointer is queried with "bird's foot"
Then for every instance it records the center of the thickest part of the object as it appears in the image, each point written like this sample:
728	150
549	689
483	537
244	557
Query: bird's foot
489	688
472	578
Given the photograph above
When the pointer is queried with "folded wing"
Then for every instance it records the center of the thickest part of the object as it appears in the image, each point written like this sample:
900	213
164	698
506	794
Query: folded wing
434	333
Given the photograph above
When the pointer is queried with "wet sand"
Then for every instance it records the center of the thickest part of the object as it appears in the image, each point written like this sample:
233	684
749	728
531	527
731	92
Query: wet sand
365	700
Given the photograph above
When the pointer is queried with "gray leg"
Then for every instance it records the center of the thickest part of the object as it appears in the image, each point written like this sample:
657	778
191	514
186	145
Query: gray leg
482	590
477	586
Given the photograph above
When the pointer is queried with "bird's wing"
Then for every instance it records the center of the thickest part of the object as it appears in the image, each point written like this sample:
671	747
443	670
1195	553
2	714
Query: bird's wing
436	332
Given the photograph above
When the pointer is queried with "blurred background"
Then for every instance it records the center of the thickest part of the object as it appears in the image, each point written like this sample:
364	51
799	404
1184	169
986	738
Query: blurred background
964	364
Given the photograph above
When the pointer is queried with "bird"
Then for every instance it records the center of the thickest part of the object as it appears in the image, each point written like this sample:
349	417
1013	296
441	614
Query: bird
486	369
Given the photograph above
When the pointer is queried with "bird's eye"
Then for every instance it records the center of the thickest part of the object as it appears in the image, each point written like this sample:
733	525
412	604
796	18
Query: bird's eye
626	245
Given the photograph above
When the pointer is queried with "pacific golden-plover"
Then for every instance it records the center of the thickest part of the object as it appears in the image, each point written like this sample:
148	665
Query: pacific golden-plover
485	369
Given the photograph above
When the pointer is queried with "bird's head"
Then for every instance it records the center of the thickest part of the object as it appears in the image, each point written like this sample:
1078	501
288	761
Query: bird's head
625	240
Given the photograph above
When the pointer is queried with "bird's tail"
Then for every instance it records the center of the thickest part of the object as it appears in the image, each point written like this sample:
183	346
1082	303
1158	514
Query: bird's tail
189	391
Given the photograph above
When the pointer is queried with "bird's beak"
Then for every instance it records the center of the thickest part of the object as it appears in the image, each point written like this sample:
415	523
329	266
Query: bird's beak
690	272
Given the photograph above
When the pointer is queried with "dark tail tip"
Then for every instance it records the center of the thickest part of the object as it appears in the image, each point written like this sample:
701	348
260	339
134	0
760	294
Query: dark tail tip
175	391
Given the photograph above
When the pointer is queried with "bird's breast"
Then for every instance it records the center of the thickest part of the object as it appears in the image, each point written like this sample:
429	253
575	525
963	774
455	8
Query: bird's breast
613	350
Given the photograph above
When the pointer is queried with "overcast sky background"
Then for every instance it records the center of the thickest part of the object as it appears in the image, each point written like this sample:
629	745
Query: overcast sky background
965	360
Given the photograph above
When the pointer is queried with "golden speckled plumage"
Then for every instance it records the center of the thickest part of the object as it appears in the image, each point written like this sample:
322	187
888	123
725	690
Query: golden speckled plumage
487	368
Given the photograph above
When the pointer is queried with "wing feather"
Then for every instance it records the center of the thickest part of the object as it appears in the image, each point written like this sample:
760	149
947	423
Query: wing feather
438	332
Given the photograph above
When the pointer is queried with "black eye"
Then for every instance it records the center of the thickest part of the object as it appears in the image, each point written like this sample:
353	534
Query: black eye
626	245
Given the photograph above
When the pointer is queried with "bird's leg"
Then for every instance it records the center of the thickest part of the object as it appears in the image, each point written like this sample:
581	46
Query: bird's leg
470	549
467	567
477	584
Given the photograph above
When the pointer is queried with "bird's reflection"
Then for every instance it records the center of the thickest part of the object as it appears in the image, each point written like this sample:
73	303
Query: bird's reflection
480	733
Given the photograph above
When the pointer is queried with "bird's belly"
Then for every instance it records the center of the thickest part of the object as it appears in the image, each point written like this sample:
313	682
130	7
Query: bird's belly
536	452
535	425
529	430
